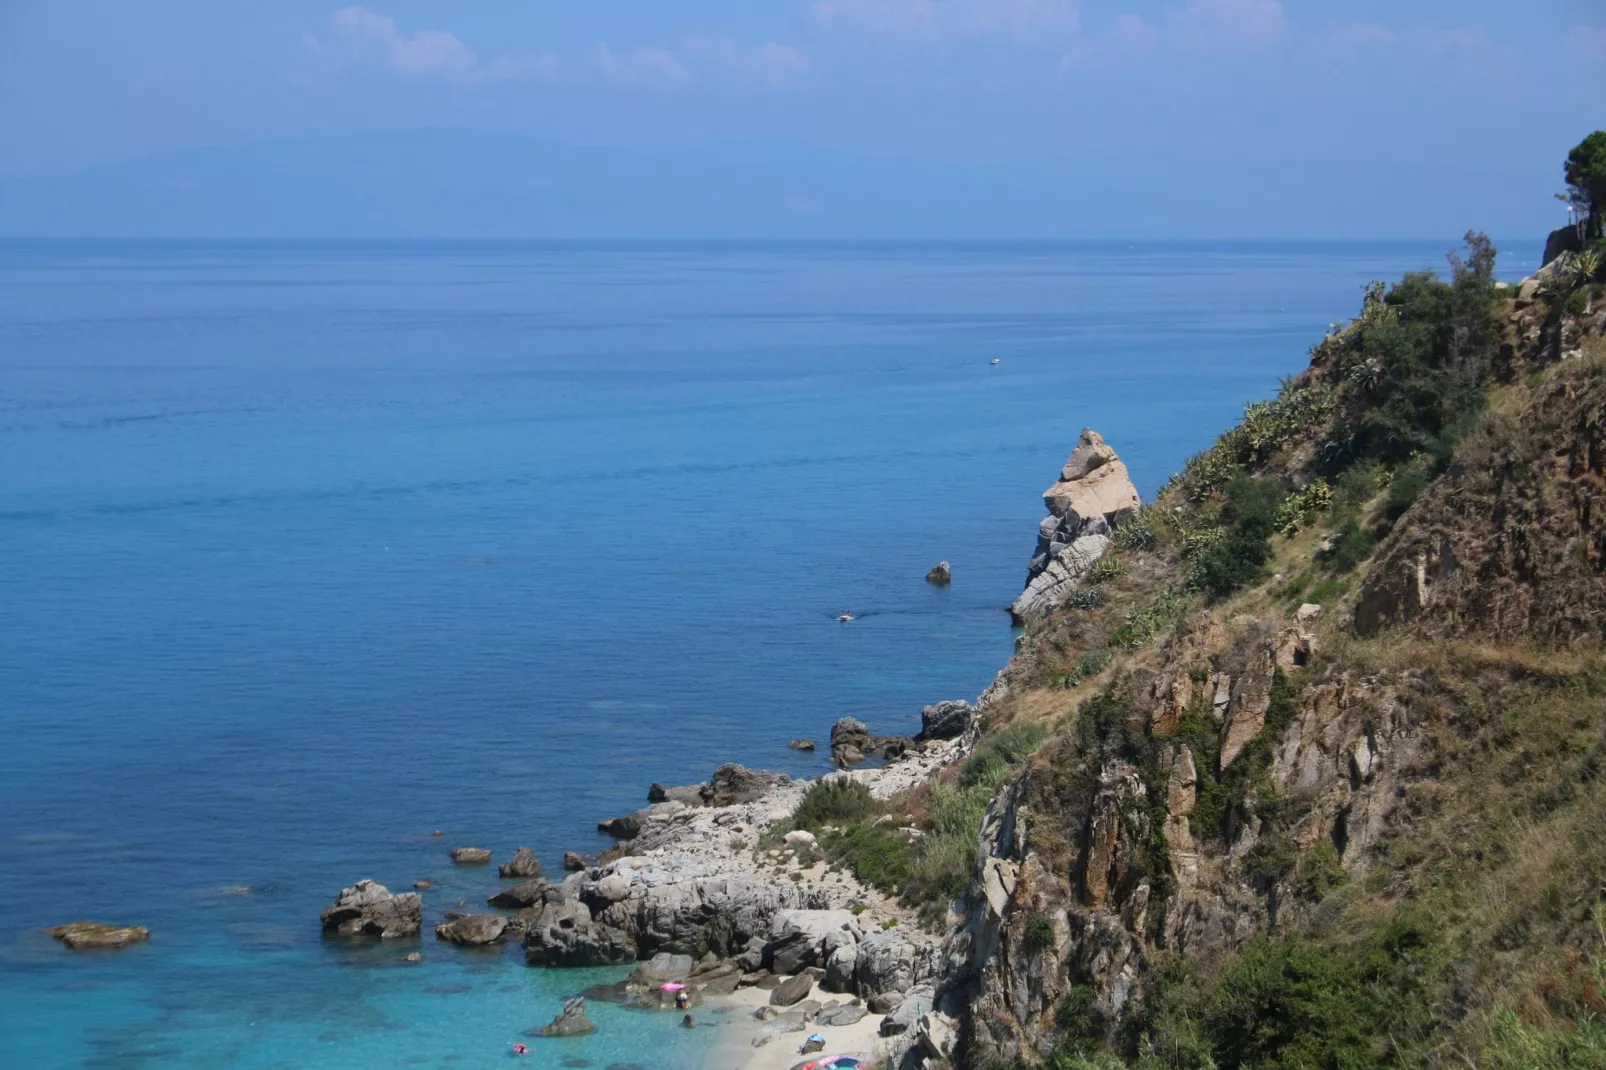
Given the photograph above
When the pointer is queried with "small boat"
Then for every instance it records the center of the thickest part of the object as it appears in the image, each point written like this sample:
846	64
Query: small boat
995	360
845	616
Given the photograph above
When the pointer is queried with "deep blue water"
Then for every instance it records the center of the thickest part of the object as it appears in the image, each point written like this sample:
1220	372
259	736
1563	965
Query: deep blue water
308	551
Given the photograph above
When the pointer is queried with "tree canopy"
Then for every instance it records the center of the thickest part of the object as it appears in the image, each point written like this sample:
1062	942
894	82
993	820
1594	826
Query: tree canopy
1586	177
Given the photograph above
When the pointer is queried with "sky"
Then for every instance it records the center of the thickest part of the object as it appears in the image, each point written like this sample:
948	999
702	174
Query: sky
828	118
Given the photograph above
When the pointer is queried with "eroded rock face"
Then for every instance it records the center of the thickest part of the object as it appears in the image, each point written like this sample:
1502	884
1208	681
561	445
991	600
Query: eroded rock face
1512	549
734	784
1093	495
852	742
369	909
94	936
804	938
519	896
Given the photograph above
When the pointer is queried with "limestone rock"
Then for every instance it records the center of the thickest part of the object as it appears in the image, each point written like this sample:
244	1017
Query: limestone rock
940	574
801	744
851	741
94	936
884	1002
1307	612
471	856
473	930
574	862
367	908
889	961
661	968
800	838
803	938
842	1015
572	1022
523	865
1246	716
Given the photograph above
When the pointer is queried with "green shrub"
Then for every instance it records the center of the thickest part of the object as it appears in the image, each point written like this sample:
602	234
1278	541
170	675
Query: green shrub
1297	510
876	854
1105	569
1089	665
1038	932
1289	1004
1085	598
1236	557
1351	546
989	764
1406	487
832	801
1516	1045
1136	533
1144	622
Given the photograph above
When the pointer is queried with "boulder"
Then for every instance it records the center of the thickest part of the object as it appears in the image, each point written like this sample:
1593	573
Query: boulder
803	938
522	866
792	990
945	720
800	838
905	1016
95	936
801	744
851	741
662	967
519	896
889	961
572	1022
574	862
752	957
471	856
473	930
884	1002
934	1033
732	784
627	827
691	794
940	574
369	909
839	968
842	1015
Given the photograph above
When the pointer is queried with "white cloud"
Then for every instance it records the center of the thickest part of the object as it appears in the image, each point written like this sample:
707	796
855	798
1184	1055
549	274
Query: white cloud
941	20
1210	23
359	38
769	64
642	65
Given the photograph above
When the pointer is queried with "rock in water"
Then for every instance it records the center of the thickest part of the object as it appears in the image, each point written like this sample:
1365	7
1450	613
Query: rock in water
1093	495
801	744
691	794
369	909
851	741
572	1022
575	862
519	896
945	720
523	864
792	990
471	856
94	936
940	574
627	827
474	930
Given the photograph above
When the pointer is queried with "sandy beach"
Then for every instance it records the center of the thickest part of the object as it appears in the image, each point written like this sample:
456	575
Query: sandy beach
740	1027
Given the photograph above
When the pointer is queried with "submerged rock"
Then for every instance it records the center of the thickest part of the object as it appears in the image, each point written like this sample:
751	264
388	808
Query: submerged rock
473	930
367	908
571	1023
95	936
523	864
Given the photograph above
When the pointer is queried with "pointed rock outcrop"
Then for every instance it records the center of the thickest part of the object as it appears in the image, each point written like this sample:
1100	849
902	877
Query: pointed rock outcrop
1094	494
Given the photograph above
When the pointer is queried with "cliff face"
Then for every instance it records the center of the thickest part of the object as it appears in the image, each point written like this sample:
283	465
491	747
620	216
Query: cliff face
1282	820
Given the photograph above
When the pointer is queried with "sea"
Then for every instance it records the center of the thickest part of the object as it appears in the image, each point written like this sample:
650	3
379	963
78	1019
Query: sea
318	560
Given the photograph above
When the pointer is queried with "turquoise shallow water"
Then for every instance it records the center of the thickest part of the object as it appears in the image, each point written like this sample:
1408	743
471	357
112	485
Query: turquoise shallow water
310	551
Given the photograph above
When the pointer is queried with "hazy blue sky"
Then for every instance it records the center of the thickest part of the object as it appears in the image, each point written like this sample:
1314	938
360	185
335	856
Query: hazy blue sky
1098	117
